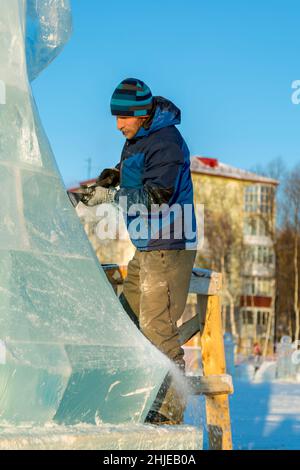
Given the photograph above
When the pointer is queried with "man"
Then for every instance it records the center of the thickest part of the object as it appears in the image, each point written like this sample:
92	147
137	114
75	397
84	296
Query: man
154	173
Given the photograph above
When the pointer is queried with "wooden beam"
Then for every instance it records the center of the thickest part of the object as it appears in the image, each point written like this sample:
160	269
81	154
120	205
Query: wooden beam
213	357
205	282
210	385
188	329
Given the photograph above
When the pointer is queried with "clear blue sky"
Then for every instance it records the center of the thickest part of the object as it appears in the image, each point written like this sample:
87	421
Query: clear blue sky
228	65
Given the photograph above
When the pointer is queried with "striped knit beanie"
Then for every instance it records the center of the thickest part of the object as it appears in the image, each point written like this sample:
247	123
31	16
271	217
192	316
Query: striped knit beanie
131	98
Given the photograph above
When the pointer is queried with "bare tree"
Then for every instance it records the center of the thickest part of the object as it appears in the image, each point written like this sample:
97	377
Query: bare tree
284	305
276	170
292	205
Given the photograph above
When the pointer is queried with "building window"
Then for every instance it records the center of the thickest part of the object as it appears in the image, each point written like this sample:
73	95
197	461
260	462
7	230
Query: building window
262	318
259	199
248	317
254	316
259	318
263	287
258	286
260	254
255	226
249	288
250	226
264	255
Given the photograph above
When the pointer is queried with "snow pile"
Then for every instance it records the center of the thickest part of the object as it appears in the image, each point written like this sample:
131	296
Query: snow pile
267	372
264	416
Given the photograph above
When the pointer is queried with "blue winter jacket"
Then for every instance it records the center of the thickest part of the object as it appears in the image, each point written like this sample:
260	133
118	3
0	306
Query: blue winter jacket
155	174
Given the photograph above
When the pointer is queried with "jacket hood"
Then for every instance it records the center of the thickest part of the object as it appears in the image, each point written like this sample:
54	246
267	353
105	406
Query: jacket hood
166	114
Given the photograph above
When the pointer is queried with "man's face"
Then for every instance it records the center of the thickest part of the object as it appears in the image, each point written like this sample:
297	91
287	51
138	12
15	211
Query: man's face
130	125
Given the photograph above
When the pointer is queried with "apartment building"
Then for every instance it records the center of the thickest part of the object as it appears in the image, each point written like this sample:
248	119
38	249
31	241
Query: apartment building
247	201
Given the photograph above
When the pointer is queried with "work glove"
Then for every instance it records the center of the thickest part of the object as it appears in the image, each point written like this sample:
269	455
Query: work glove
108	178
74	198
98	195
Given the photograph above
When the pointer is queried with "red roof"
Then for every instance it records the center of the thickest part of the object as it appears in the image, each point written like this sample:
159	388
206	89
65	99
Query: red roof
212	166
83	183
211	162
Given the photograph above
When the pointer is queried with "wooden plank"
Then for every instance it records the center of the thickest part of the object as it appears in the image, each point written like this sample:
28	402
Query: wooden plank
202	282
205	282
210	385
213	357
188	329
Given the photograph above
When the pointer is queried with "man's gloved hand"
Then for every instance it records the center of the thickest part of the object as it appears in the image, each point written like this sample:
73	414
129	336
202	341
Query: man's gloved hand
108	178
98	195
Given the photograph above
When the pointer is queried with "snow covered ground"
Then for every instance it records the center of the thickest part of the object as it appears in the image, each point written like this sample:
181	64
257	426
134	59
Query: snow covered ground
264	415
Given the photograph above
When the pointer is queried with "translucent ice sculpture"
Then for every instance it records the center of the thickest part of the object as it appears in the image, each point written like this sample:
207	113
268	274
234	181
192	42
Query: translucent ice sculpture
68	351
287	359
48	28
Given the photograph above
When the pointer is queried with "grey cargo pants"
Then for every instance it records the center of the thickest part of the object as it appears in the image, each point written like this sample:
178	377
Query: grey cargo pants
156	289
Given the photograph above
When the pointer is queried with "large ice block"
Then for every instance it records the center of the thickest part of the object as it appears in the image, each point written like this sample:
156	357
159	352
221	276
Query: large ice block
69	353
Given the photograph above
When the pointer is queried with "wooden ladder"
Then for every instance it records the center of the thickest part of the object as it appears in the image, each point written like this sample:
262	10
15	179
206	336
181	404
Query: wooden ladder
215	384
